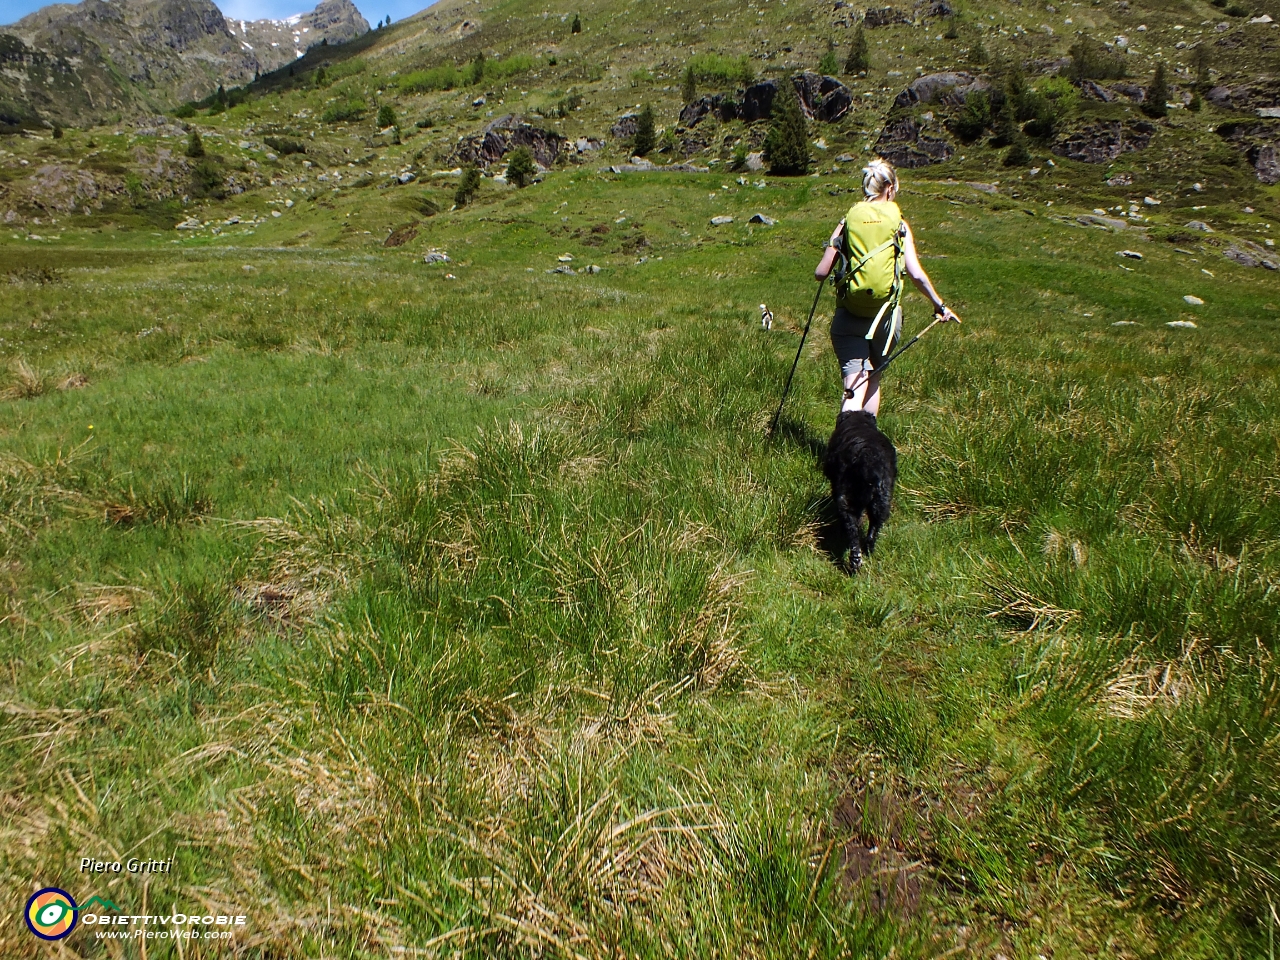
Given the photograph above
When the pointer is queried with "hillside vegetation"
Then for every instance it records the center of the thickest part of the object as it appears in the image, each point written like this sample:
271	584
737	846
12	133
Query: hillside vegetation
402	551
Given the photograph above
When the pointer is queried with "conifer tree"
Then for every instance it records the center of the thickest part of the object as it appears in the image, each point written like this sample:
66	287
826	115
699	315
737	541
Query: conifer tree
646	136
577	24
689	92
520	167
386	116
468	186
827	65
859	60
195	145
786	148
1154	104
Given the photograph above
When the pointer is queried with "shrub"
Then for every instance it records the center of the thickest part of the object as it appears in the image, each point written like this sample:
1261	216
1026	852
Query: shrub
520	167
577	24
285	145
343	111
786	148
953	29
975	118
739	159
1196	103
1200	63
57	132
828	65
468	186
1155	103
195	144
714	68
1017	155
859	59
320	77
689	88
186	111
425	81
206	179
508	67
426	123
1092	61
475	71
978	53
646	137
386	116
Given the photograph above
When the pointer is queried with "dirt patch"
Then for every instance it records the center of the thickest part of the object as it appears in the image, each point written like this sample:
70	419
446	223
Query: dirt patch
874	861
401	235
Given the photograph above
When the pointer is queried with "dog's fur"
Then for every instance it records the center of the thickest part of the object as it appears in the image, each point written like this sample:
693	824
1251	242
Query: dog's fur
862	466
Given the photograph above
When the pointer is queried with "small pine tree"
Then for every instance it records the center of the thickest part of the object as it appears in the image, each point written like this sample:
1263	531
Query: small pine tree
520	167
828	65
859	59
689	91
1154	104
477	69
1017	155
467	187
388	19
320	76
577	24
386	116
786	148
195	145
57	132
1200	61
1196	104
646	135
978	53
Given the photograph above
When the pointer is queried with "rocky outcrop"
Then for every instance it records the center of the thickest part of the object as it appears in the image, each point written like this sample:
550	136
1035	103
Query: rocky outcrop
885	16
947	89
502	136
825	99
625	126
1104	141
1266	163
905	144
1246	98
275	43
1251	255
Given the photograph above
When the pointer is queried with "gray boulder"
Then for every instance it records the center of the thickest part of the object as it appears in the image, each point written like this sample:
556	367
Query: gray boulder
903	144
948	89
503	135
1104	141
763	219
719	105
1251	255
1266	164
757	101
822	98
625	126
885	16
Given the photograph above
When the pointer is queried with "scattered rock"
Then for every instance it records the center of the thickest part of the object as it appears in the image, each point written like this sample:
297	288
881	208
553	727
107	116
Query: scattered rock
74	381
757	101
990	188
407	177
647	167
1151	201
401	235
565	269
1092	90
762	218
720	105
191	223
565	258
846	158
1131	254
755	161
1194	301
1199	225
1266	164
1251	255
1125	323
885	16
822	98
587	144
1120	180
436	256
592	268
1130	91
720	221
1181	324
1269	113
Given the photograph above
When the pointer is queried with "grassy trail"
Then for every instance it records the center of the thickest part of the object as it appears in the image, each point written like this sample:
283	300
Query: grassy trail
476	616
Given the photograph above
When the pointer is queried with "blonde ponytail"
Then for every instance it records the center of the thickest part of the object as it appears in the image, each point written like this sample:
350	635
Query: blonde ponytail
877	177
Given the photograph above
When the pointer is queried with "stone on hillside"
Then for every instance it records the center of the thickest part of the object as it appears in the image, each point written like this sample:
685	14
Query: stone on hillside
1130	91
592	268
1104	140
565	269
625	126
755	161
436	256
505	134
885	16
587	144
1251	255
1107	223
720	105
191	223
721	221
762	218
1181	325
941	9
1092	90
1194	301
904	145
1151	201
1199	225
822	98
948	89
757	101
1266	164
1131	254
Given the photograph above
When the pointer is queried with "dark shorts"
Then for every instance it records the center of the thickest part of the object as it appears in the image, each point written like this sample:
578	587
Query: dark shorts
849	339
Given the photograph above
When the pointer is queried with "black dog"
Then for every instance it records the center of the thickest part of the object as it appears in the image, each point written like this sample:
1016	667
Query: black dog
862	467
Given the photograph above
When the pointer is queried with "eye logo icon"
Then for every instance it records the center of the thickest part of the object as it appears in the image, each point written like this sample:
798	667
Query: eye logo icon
51	913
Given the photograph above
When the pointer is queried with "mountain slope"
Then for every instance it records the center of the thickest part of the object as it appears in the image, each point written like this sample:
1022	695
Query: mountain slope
74	64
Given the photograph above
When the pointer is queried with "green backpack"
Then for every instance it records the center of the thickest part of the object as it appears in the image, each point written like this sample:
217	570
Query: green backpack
870	283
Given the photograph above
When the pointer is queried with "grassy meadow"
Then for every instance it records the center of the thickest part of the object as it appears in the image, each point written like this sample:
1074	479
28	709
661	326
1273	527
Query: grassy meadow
478	616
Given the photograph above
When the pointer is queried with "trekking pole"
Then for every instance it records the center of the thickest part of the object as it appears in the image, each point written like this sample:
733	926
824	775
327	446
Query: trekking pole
787	389
894	356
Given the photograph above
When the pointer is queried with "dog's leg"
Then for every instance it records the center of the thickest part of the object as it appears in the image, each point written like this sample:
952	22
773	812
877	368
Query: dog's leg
853	532
877	516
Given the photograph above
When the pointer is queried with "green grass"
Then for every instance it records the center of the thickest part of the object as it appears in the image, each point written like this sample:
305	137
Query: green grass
404	608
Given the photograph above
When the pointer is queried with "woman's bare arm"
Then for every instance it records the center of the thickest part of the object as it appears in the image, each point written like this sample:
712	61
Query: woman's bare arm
823	268
921	279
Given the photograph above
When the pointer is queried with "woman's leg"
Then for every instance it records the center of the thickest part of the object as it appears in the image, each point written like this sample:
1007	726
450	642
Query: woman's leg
862	392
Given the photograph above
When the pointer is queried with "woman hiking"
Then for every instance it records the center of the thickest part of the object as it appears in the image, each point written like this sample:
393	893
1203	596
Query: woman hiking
879	246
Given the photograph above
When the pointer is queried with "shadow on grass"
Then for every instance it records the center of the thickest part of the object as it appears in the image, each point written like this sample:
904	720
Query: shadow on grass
800	435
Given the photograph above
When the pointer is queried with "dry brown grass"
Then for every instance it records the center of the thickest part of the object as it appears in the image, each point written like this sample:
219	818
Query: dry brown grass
25	382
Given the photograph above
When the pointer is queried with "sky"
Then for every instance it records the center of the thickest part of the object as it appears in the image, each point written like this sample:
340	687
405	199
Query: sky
373	10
